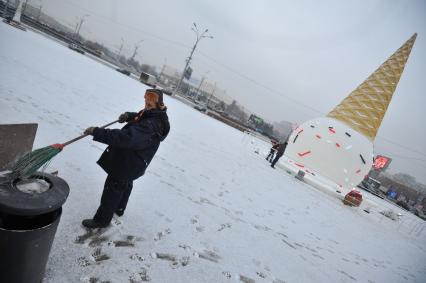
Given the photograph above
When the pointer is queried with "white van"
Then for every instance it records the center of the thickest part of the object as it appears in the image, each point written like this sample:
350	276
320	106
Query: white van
148	79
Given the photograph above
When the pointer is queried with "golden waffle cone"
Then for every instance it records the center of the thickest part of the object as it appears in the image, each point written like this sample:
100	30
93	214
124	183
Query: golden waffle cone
363	110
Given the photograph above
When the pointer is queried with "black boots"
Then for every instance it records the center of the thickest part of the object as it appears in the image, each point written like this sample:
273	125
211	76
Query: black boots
119	212
90	223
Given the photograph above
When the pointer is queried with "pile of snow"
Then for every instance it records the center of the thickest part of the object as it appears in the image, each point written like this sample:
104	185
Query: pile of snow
33	186
209	209
390	214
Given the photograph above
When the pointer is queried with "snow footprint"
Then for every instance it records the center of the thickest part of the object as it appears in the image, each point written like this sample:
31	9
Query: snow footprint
129	241
246	279
224	226
83	262
208	255
89	234
161	234
98	256
141	276
175	262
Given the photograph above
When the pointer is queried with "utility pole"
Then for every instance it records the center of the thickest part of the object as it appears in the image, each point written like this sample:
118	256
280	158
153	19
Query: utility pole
119	50
162	69
188	61
211	94
75	30
199	87
39	12
18	12
79	27
5	9
25	7
135	51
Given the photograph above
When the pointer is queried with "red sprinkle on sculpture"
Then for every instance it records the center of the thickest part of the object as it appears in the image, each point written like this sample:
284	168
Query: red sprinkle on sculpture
304	153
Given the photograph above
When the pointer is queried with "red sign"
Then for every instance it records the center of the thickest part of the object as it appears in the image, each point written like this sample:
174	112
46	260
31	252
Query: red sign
381	162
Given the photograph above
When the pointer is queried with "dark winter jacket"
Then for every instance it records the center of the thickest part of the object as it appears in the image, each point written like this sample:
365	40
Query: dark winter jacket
275	146
131	149
281	148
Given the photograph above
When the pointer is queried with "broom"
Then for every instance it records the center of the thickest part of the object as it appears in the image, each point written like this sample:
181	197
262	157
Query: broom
28	164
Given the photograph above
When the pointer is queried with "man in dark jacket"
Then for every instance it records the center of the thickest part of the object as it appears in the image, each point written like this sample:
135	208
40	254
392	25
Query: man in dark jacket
129	152
280	152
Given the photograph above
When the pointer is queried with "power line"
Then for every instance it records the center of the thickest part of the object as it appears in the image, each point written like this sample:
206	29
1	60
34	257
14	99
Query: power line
402	146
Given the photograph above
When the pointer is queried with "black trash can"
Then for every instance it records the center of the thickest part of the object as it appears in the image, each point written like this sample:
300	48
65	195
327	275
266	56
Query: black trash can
29	216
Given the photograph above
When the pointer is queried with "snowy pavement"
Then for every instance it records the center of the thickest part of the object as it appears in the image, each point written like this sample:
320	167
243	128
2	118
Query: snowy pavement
209	208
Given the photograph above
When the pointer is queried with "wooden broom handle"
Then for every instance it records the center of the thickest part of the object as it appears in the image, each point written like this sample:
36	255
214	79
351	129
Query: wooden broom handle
84	135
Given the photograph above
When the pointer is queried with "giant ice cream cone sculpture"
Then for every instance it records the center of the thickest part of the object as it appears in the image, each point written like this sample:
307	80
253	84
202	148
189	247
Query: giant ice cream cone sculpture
364	108
339	147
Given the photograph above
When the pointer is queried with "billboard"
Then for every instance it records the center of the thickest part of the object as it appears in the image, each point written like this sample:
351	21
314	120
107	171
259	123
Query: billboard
255	119
188	73
381	162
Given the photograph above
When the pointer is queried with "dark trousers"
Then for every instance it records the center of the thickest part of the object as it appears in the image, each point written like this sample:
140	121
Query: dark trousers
277	157
270	156
114	197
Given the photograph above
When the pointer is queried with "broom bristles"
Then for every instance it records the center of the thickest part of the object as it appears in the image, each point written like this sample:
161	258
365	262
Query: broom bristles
28	164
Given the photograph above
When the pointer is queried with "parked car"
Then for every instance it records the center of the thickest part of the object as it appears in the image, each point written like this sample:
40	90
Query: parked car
200	108
353	198
123	71
218	111
76	48
403	204
167	91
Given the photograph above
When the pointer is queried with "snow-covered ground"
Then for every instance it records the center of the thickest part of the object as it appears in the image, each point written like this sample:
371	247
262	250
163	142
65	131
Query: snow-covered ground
209	208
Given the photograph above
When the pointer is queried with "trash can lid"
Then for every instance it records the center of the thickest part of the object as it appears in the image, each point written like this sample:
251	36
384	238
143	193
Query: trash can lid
42	193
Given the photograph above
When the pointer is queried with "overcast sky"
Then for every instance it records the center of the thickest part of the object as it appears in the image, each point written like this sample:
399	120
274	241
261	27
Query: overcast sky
283	60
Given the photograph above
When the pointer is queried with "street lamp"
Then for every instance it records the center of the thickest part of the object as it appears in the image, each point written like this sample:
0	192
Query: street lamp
25	7
39	12
200	36
199	86
81	23
210	97
136	50
119	50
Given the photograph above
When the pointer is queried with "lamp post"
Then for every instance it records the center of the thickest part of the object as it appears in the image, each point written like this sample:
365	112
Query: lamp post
200	36
25	7
121	47
39	12
199	86
6	5
119	50
162	69
136	50
18	12
211	94
81	23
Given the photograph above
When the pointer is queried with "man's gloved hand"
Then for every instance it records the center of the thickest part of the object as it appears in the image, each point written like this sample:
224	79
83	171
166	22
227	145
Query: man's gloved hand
89	131
123	117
